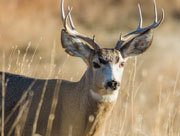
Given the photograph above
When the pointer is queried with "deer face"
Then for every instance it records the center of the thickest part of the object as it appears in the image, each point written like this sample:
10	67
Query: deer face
107	66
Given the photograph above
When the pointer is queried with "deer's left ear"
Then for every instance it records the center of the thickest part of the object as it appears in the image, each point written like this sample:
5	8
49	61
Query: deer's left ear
74	46
137	45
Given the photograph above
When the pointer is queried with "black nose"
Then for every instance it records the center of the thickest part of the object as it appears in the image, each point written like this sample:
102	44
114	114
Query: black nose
112	84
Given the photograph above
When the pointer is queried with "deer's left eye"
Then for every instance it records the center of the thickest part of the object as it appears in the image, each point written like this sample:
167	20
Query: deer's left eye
102	61
122	64
96	65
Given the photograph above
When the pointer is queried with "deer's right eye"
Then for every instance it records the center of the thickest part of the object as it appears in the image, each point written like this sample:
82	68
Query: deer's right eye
96	65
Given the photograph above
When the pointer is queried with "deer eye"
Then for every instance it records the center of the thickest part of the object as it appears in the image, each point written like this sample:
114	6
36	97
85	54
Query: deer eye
96	65
103	61
122	64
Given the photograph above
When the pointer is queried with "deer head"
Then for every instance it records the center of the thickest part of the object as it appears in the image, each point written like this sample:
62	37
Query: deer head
106	64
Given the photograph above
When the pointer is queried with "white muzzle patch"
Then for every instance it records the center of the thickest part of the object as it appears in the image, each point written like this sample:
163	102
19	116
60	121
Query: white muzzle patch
105	98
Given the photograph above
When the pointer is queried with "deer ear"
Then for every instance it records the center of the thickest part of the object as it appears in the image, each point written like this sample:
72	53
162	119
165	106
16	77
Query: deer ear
74	47
137	45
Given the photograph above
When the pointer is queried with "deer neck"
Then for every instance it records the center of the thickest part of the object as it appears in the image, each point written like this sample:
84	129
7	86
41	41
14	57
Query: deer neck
99	107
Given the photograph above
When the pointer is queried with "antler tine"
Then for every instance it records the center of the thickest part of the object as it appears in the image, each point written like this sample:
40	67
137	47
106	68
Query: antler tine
154	25
161	19
155	11
72	31
64	17
62	12
70	19
140	17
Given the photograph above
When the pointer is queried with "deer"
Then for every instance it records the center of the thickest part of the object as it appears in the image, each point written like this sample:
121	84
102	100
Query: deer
81	108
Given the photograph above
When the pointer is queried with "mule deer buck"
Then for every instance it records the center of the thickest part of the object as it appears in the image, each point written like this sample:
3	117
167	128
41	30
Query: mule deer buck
81	108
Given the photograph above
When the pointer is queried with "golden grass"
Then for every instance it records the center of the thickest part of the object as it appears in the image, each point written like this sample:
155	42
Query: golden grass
53	108
138	112
149	100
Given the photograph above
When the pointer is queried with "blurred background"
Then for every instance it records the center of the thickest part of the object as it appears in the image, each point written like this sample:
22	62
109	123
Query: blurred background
149	101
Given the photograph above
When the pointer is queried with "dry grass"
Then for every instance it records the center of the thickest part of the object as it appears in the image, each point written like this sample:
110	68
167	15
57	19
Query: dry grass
149	100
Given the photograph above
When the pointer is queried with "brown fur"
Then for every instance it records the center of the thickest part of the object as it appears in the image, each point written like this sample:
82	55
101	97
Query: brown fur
73	109
101	115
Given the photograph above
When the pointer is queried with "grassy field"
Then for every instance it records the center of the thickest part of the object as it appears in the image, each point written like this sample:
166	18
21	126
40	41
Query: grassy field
149	100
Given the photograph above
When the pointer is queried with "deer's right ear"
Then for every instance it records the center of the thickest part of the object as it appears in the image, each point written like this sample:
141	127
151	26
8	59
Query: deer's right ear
74	46
137	45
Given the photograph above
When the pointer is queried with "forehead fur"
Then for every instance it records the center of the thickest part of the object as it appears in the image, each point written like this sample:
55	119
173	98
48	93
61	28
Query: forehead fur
111	55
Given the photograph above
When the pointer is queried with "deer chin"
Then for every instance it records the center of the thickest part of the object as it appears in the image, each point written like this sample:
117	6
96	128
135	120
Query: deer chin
111	91
109	96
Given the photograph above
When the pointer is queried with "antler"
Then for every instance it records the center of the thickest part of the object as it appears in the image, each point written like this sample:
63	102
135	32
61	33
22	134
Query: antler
72	31
141	30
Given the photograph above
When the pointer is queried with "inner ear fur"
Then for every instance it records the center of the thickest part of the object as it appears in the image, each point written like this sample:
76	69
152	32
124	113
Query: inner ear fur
137	45
74	46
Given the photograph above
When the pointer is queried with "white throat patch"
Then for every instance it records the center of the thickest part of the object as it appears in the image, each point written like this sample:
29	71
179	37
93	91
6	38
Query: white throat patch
105	98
